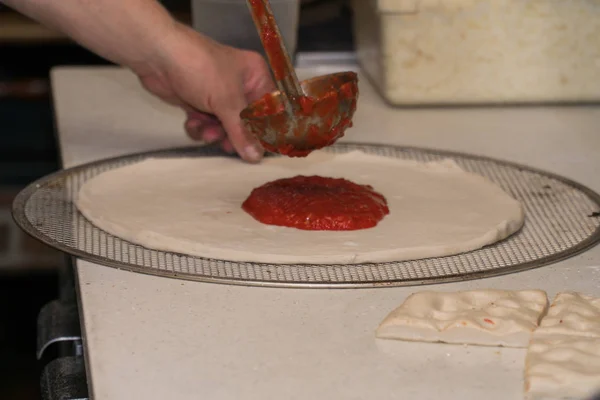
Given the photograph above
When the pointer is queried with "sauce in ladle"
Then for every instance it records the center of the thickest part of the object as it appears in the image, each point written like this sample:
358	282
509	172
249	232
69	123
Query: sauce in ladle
329	126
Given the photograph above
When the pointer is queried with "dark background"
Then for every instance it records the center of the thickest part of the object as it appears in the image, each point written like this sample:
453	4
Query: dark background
28	269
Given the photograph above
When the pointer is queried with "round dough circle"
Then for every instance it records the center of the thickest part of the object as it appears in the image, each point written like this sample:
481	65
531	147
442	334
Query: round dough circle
193	206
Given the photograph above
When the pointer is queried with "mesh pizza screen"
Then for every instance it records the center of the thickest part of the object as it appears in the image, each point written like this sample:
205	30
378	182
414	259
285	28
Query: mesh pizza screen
561	220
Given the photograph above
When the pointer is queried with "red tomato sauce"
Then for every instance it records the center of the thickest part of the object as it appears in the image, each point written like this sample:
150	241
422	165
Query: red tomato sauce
316	203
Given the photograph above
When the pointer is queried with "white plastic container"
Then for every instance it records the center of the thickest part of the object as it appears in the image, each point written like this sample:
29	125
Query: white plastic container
427	52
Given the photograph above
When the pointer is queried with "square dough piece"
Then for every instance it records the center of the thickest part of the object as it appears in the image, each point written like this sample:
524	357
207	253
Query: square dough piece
563	359
572	314
479	317
562	368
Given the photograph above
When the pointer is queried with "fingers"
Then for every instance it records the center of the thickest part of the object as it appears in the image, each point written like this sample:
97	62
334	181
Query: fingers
253	76
207	128
251	73
203	127
240	139
258	80
227	146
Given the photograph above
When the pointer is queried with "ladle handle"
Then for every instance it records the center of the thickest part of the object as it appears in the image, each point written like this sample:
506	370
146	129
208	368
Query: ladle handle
279	59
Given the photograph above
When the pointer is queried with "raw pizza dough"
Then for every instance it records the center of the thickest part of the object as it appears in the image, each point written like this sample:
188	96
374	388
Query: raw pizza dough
488	317
563	358
572	314
193	206
562	368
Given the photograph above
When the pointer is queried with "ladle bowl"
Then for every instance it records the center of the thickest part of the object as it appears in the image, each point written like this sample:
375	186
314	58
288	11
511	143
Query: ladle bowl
318	123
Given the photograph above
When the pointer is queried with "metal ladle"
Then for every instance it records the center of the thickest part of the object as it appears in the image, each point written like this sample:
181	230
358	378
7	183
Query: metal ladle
281	120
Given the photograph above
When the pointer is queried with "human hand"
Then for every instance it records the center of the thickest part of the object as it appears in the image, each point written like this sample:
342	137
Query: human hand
213	83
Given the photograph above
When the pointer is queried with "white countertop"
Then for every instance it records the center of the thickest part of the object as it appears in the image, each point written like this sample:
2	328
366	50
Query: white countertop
155	338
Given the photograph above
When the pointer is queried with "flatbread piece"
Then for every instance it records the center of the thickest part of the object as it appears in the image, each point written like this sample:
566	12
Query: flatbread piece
563	359
486	317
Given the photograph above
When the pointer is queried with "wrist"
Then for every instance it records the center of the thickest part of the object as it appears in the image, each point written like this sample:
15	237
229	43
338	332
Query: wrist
156	51
179	44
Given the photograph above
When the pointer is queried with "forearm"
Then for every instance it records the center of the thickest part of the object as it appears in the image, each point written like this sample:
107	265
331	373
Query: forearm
127	32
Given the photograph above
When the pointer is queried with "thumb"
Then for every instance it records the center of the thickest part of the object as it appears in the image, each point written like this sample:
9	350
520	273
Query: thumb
261	86
244	143
258	80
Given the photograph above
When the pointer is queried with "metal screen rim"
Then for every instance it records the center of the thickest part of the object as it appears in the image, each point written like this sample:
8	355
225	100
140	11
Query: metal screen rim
21	201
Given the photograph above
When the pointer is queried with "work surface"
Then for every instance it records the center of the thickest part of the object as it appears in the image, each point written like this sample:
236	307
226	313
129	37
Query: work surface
154	338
